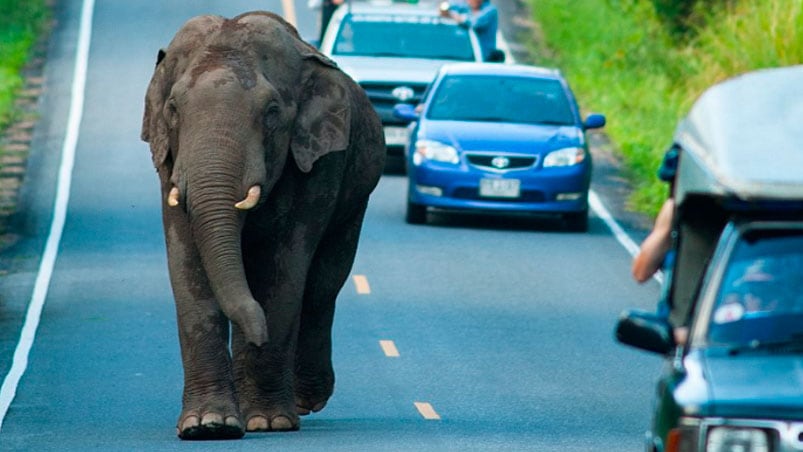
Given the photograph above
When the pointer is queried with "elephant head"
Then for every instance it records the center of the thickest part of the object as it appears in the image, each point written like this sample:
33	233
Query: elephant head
228	101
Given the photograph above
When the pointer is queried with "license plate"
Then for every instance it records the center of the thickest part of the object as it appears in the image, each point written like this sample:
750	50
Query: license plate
500	188
396	136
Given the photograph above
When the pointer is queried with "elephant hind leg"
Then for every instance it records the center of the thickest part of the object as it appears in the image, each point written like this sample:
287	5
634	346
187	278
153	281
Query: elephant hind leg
277	423
328	273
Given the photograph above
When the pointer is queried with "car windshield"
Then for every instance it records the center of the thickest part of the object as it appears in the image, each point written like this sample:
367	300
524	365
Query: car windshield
499	98
403	36
760	302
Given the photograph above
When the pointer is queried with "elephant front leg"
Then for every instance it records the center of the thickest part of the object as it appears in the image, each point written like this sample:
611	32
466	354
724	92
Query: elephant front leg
264	383
209	402
264	375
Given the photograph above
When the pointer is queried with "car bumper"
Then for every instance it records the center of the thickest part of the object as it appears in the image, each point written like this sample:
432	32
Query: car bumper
547	191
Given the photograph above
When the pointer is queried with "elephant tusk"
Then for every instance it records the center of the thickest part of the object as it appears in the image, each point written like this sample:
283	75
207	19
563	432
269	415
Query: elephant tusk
251	199
172	197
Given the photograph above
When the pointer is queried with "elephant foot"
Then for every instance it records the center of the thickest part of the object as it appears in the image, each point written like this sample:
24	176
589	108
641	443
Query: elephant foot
312	394
277	423
191	426
305	407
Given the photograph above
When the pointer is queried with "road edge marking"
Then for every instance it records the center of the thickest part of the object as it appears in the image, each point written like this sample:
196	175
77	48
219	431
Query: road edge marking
34	312
621	236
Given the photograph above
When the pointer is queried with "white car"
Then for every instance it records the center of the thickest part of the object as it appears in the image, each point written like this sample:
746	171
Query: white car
394	50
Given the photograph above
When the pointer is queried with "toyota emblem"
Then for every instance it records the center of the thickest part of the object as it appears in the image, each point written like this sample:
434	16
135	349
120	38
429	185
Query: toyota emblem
403	93
500	162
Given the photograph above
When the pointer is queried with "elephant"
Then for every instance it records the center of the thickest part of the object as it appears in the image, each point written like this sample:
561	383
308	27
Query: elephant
267	154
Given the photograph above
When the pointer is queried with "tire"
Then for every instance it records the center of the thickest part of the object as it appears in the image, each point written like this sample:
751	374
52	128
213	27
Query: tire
577	221
416	213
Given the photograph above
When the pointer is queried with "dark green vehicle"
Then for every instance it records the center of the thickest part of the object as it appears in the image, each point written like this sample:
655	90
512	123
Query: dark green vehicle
736	383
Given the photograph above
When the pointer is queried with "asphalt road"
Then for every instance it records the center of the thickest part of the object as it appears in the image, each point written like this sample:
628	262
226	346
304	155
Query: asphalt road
466	334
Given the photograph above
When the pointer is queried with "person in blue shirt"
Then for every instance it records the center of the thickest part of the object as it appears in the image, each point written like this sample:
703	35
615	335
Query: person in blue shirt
482	17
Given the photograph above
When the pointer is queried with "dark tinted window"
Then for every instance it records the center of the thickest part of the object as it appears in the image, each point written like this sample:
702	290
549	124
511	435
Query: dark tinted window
518	99
403	36
761	297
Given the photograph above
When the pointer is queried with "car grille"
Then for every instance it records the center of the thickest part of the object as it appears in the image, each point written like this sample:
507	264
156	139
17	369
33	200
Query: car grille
383	100
501	162
473	194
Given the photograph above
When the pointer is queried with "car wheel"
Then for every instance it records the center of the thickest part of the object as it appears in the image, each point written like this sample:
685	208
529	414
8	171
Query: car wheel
577	221
416	213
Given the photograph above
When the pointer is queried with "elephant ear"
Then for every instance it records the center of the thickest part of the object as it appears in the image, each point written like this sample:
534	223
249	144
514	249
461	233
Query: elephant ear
154	128
323	123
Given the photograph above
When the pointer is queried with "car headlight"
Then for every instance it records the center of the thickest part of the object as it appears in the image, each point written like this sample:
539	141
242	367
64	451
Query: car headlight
436	151
727	438
565	157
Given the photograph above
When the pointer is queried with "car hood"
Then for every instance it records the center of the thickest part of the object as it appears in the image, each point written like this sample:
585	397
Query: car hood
494	136
756	386
385	69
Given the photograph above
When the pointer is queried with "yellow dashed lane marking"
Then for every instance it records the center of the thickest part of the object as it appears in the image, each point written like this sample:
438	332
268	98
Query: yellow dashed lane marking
427	411
361	284
389	348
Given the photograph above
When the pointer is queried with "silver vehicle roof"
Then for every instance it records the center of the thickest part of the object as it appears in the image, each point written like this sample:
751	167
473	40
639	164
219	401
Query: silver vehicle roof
744	137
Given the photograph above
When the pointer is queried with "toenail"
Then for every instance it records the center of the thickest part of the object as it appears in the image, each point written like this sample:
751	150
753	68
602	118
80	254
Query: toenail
257	423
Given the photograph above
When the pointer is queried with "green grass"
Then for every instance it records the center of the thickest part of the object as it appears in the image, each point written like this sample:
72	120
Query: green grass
21	22
621	61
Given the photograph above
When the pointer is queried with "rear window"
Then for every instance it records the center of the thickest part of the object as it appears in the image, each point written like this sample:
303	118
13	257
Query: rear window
493	98
403	36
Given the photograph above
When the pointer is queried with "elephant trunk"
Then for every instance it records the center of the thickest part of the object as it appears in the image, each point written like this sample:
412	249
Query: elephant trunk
216	227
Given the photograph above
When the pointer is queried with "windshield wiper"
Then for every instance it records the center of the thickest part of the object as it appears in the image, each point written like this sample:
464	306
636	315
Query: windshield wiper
550	122
793	343
385	54
485	118
446	57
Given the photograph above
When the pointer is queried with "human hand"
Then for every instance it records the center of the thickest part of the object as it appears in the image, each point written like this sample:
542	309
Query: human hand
444	9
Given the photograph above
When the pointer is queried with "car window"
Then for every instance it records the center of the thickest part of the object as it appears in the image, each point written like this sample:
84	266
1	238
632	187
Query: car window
494	98
403	36
761	296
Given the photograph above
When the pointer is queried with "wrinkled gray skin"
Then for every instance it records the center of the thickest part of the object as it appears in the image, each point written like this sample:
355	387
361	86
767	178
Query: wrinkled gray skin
235	104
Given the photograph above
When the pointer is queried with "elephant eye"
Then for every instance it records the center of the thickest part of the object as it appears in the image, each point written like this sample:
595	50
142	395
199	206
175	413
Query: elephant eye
171	112
272	113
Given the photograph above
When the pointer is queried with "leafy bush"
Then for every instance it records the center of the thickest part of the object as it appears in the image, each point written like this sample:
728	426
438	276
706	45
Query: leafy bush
624	61
20	24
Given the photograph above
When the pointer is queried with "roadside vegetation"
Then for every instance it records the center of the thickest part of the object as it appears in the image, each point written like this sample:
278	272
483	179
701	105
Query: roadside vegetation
21	23
643	63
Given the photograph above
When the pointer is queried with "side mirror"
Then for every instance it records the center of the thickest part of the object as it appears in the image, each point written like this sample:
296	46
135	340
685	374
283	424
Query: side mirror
406	112
645	330
496	56
594	121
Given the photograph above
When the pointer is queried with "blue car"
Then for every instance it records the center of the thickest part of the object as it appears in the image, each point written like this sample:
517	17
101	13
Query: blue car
500	138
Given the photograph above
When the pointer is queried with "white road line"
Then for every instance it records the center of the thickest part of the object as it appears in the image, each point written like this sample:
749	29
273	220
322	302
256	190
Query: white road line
599	209
427	411
32	317
361	285
290	12
389	347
